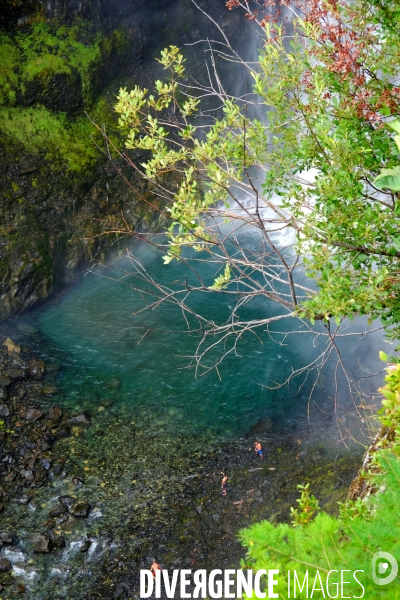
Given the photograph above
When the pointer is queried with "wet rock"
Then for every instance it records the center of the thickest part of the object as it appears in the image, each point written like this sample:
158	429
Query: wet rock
42	544
20	588
6	538
4	383
36	368
57	470
83	417
64	431
15	374
27	474
80	510
49	390
24	500
85	546
106	403
58	541
67	501
55	413
263	425
5	565
47	441
45	463
12	347
33	414
4	410
58	511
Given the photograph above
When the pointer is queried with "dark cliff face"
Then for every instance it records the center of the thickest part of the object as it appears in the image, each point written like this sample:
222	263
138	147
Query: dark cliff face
103	13
58	194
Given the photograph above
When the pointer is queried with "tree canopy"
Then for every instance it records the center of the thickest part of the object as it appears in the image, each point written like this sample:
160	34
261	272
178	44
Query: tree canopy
299	177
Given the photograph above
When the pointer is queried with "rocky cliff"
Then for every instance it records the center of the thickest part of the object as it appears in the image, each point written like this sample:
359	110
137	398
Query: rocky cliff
60	59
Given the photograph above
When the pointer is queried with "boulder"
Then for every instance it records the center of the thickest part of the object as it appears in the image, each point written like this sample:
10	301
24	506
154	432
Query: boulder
41	544
33	414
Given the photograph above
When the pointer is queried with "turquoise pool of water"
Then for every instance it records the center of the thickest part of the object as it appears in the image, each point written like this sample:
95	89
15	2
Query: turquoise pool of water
108	353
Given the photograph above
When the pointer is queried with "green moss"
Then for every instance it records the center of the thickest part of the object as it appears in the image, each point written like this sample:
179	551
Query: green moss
46	51
65	142
39	130
34	58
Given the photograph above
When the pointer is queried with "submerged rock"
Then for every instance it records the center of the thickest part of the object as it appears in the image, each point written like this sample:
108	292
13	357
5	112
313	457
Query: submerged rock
263	425
83	417
114	383
81	510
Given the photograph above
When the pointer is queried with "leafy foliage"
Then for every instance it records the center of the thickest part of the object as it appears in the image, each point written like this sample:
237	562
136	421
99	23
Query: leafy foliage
329	96
348	542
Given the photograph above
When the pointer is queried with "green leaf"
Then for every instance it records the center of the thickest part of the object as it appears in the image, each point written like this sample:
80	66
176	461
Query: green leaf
395	125
389	178
383	356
